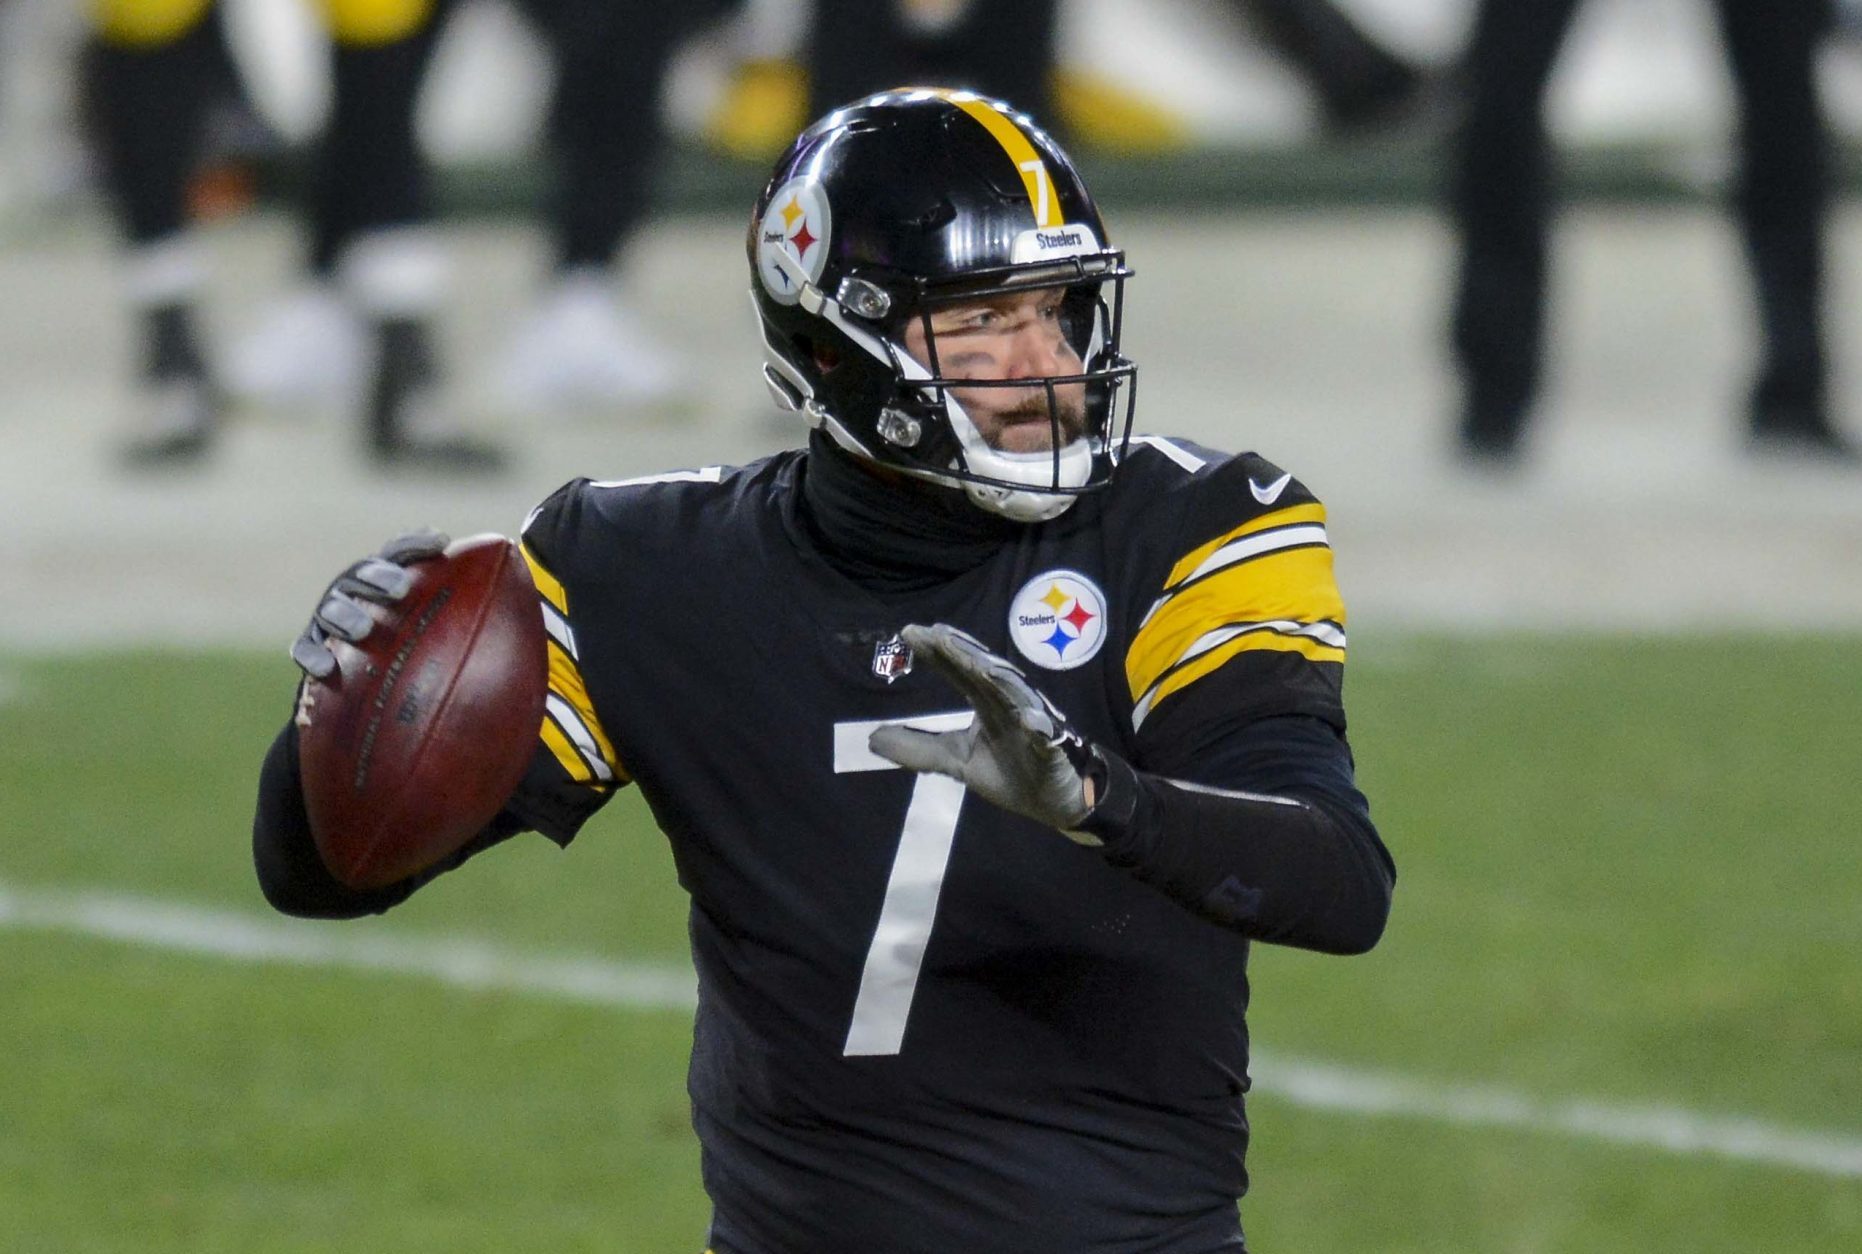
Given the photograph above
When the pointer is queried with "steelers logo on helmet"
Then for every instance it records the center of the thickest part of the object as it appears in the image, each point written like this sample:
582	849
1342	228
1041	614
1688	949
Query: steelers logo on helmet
792	239
1058	620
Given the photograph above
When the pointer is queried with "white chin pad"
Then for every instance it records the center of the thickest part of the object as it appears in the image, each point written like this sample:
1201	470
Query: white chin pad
1036	469
1038	501
1018	505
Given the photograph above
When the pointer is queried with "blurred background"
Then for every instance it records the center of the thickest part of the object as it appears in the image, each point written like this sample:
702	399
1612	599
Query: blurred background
1555	304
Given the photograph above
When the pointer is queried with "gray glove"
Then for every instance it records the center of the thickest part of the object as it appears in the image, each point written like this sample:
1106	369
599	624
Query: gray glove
1019	753
383	579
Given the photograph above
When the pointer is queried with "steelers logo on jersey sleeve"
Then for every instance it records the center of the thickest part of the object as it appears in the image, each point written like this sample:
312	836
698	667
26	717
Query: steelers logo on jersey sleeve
1058	620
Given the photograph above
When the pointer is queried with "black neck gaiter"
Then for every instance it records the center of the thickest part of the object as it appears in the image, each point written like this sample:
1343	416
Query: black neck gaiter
893	534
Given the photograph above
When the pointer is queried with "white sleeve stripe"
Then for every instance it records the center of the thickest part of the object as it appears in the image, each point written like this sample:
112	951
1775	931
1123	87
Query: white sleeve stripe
559	629
1247	548
1269	541
1175	452
1326	633
1142	710
1238	794
707	474
573	727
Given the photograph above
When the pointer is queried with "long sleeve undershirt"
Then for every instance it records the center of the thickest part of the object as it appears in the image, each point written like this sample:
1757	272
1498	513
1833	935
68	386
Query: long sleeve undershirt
1282	850
1298	863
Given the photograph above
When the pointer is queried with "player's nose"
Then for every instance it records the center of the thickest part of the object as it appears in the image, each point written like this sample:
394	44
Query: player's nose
1036	349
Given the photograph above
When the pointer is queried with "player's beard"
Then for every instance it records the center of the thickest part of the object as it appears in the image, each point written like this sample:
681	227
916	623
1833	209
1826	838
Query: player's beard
1029	426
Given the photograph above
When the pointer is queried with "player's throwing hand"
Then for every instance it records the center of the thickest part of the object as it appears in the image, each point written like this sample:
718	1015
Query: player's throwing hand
383	579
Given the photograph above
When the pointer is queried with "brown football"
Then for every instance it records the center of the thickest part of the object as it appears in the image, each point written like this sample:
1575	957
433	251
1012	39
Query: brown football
424	731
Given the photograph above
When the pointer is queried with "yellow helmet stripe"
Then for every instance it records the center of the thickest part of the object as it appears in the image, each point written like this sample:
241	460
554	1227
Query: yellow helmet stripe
1035	178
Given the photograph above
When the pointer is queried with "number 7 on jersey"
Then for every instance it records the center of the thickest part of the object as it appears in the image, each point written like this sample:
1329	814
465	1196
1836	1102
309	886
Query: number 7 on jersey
897	952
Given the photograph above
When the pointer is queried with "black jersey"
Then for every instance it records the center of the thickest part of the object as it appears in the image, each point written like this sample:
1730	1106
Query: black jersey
925	1023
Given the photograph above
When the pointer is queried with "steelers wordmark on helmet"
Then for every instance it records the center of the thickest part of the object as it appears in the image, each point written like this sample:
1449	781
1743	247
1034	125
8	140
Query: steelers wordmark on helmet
1058	620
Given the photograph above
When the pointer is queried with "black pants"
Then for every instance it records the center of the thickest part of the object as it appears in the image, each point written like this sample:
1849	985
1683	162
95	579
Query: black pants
1500	195
605	130
605	133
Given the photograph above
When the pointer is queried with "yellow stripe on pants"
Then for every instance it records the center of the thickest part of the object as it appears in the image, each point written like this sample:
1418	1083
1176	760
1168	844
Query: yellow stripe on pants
371	23
146	23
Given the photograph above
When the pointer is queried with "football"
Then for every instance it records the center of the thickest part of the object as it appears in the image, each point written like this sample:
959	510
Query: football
411	747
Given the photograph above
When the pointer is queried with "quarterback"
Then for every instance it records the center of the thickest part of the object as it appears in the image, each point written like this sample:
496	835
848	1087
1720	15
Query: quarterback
1034	727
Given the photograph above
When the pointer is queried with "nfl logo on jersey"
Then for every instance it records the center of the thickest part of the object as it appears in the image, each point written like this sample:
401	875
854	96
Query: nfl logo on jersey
891	659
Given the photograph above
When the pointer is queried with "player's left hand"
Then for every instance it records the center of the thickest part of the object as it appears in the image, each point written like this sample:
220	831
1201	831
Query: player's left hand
1019	753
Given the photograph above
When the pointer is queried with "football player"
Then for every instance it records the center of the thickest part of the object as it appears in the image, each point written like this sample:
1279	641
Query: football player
376	268
1033	727
582	345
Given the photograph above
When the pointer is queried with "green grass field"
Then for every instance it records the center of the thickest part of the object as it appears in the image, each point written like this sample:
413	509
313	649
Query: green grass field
1631	873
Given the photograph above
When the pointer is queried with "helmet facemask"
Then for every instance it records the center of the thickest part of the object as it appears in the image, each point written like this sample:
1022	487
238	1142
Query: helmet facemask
959	409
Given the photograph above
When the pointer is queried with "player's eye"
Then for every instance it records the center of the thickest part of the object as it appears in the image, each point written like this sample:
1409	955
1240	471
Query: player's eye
957	322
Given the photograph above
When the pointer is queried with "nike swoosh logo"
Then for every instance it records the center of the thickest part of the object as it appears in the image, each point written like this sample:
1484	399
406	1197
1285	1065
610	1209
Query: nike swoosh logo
1271	493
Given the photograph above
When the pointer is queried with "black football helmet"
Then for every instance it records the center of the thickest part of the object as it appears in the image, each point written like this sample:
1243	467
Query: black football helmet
906	201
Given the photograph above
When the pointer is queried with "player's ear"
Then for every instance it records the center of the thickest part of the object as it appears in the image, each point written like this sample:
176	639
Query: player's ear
826	356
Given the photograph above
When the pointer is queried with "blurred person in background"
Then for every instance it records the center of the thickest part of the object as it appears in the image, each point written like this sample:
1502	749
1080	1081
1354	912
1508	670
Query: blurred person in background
1360	83
1500	197
373	240
1008	51
581	345
376	269
856	47
851	47
148	69
155	65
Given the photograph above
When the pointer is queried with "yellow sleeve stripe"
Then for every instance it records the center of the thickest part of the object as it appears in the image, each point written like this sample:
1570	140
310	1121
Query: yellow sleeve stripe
566	753
547	584
571	728
1294	586
1312	512
568	689
1255	636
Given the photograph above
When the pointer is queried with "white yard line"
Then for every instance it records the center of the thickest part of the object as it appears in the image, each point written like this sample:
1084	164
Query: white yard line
460	961
478	964
1671	1128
